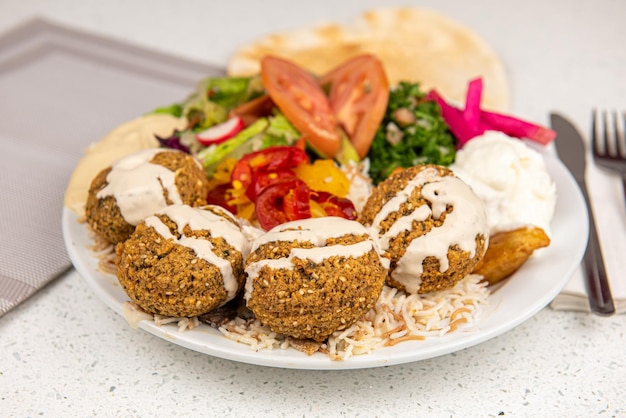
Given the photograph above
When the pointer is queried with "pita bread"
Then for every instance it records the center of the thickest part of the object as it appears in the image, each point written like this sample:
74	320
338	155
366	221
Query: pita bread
414	44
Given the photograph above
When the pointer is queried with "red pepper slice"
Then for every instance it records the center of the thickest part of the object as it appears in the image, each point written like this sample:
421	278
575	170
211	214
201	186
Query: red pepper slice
266	160
296	202
262	179
274	158
282	201
217	196
242	172
333	205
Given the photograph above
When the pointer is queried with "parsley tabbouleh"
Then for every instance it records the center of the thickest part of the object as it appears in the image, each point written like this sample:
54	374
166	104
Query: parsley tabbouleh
412	132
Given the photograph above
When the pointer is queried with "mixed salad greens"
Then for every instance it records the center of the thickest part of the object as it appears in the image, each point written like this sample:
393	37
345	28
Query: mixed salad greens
272	144
210	105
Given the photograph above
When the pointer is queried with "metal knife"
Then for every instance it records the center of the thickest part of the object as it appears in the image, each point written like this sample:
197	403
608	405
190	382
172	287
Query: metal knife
571	149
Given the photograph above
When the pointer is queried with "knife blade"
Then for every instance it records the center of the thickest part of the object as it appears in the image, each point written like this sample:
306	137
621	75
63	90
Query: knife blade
571	149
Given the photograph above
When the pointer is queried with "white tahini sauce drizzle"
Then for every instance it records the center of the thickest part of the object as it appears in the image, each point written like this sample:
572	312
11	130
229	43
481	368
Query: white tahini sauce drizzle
461	226
197	219
134	315
316	231
137	185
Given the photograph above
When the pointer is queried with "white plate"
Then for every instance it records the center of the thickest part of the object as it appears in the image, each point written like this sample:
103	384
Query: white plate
521	296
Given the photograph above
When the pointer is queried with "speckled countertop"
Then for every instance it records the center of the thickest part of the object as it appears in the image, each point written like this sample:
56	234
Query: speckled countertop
64	353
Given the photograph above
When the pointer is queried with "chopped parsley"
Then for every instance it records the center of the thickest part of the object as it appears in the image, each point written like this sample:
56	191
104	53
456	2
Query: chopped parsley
411	133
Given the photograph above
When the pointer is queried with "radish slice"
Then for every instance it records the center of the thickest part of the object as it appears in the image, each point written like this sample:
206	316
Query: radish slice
221	132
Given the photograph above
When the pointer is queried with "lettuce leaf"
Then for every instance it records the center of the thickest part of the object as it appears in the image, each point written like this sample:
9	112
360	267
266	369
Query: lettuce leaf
236	147
214	97
279	132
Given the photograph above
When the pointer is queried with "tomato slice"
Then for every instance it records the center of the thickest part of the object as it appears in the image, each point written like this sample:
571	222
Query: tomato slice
281	202
358	93
299	96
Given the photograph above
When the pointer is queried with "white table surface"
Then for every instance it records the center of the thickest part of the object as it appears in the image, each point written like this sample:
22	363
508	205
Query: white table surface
64	353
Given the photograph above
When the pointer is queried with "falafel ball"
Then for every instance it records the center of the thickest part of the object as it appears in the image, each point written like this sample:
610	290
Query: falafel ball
430	225
183	261
139	185
312	277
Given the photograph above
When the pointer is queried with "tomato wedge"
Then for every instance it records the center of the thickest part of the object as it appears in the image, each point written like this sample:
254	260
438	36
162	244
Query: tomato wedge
358	94
299	96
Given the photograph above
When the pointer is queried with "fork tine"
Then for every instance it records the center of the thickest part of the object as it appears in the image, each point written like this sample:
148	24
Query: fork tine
594	131
606	142
606	137
620	136
615	148
597	140
613	141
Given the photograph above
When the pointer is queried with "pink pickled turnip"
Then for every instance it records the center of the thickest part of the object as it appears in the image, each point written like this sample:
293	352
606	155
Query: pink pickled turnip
221	132
472	121
517	128
471	113
453	116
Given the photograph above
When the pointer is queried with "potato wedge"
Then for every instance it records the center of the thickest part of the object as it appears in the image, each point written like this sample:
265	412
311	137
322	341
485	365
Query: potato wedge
508	250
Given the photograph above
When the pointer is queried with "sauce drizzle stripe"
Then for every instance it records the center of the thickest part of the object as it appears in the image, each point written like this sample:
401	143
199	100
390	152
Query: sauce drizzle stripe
137	186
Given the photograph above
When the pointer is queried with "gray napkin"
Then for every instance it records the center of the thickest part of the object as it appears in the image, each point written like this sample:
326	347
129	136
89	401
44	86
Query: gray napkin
61	90
31	249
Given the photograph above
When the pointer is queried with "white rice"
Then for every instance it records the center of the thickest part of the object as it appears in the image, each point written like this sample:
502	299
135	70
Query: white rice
396	317
360	182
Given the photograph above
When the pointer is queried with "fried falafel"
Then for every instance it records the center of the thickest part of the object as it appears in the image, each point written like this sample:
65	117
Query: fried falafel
139	185
430	225
183	261
310	278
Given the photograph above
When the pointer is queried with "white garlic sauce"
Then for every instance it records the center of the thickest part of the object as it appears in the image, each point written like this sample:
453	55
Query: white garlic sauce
198	218
461	226
133	314
316	231
137	186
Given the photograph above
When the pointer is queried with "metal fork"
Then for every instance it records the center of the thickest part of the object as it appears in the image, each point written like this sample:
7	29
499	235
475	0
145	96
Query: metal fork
609	143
